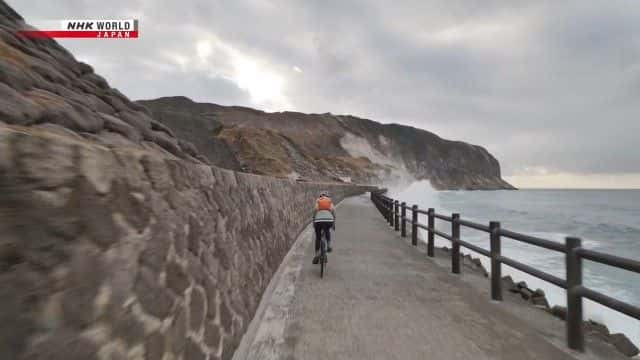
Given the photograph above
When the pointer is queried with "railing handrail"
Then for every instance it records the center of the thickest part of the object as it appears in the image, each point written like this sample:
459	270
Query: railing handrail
573	250
611	260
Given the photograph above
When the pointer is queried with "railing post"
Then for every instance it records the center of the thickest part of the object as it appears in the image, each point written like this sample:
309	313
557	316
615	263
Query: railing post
403	219
386	209
575	336
496	269
414	224
390	205
396	221
431	224
455	245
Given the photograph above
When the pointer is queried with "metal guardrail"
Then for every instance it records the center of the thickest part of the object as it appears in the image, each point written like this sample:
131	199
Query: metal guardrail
396	214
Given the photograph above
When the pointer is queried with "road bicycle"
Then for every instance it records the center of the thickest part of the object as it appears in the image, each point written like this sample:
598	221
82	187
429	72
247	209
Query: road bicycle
323	251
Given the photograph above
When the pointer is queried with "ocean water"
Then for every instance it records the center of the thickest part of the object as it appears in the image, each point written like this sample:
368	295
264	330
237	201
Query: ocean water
606	220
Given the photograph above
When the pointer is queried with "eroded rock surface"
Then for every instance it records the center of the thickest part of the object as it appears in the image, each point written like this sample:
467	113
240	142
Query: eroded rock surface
327	146
42	84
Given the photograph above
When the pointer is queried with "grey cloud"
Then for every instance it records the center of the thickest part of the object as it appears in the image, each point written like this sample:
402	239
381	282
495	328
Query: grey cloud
540	84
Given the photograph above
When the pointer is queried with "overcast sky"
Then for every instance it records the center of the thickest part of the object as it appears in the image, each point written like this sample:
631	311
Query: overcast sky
551	88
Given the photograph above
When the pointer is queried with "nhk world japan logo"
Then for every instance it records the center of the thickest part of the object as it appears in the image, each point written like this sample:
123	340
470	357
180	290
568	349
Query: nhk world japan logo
84	29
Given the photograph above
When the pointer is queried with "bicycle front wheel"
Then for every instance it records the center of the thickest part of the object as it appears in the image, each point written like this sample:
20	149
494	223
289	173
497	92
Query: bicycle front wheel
323	254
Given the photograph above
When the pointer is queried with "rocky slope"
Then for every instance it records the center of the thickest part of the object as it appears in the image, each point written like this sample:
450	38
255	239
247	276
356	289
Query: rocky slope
326	146
43	86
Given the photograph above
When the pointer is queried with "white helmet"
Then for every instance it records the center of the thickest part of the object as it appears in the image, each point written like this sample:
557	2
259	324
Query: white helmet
324	193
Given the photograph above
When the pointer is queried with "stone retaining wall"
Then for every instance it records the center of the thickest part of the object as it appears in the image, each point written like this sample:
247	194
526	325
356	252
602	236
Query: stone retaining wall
115	253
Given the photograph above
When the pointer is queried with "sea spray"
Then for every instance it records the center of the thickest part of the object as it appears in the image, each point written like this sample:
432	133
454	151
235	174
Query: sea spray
420	193
416	193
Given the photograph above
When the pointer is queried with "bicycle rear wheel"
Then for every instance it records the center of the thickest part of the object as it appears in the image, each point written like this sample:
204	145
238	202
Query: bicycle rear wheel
323	253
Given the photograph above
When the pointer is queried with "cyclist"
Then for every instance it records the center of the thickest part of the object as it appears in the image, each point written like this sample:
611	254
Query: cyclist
324	217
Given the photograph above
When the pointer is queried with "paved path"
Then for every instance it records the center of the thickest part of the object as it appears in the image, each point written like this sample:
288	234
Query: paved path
381	299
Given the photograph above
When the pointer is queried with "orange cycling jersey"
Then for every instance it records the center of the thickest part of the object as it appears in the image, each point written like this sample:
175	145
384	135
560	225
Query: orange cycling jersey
324	203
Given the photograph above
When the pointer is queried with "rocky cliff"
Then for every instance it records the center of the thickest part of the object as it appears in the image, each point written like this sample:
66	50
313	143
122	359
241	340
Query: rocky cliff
43	86
329	147
117	239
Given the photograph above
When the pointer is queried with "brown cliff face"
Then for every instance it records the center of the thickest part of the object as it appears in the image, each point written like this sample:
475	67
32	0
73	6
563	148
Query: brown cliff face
330	147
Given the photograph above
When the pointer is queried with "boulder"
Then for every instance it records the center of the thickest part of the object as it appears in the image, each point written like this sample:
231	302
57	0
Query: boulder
540	301
6	152
167	142
593	326
12	75
57	129
526	293
85	68
203	159
158	126
48	72
99	105
17	109
539	298
58	111
559	312
623	344
188	148
7	12
507	282
96	79
140	121
515	287
71	96
110	139
116	125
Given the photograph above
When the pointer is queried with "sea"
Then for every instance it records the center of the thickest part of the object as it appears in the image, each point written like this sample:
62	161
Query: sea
606	220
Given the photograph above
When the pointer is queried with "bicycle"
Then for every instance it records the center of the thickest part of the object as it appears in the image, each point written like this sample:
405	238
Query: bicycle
323	251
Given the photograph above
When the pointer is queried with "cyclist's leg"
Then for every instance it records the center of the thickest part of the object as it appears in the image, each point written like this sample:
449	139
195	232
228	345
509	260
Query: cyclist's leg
318	228
327	229
324	243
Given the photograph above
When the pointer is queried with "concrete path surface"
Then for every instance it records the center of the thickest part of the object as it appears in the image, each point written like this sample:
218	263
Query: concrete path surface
381	299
